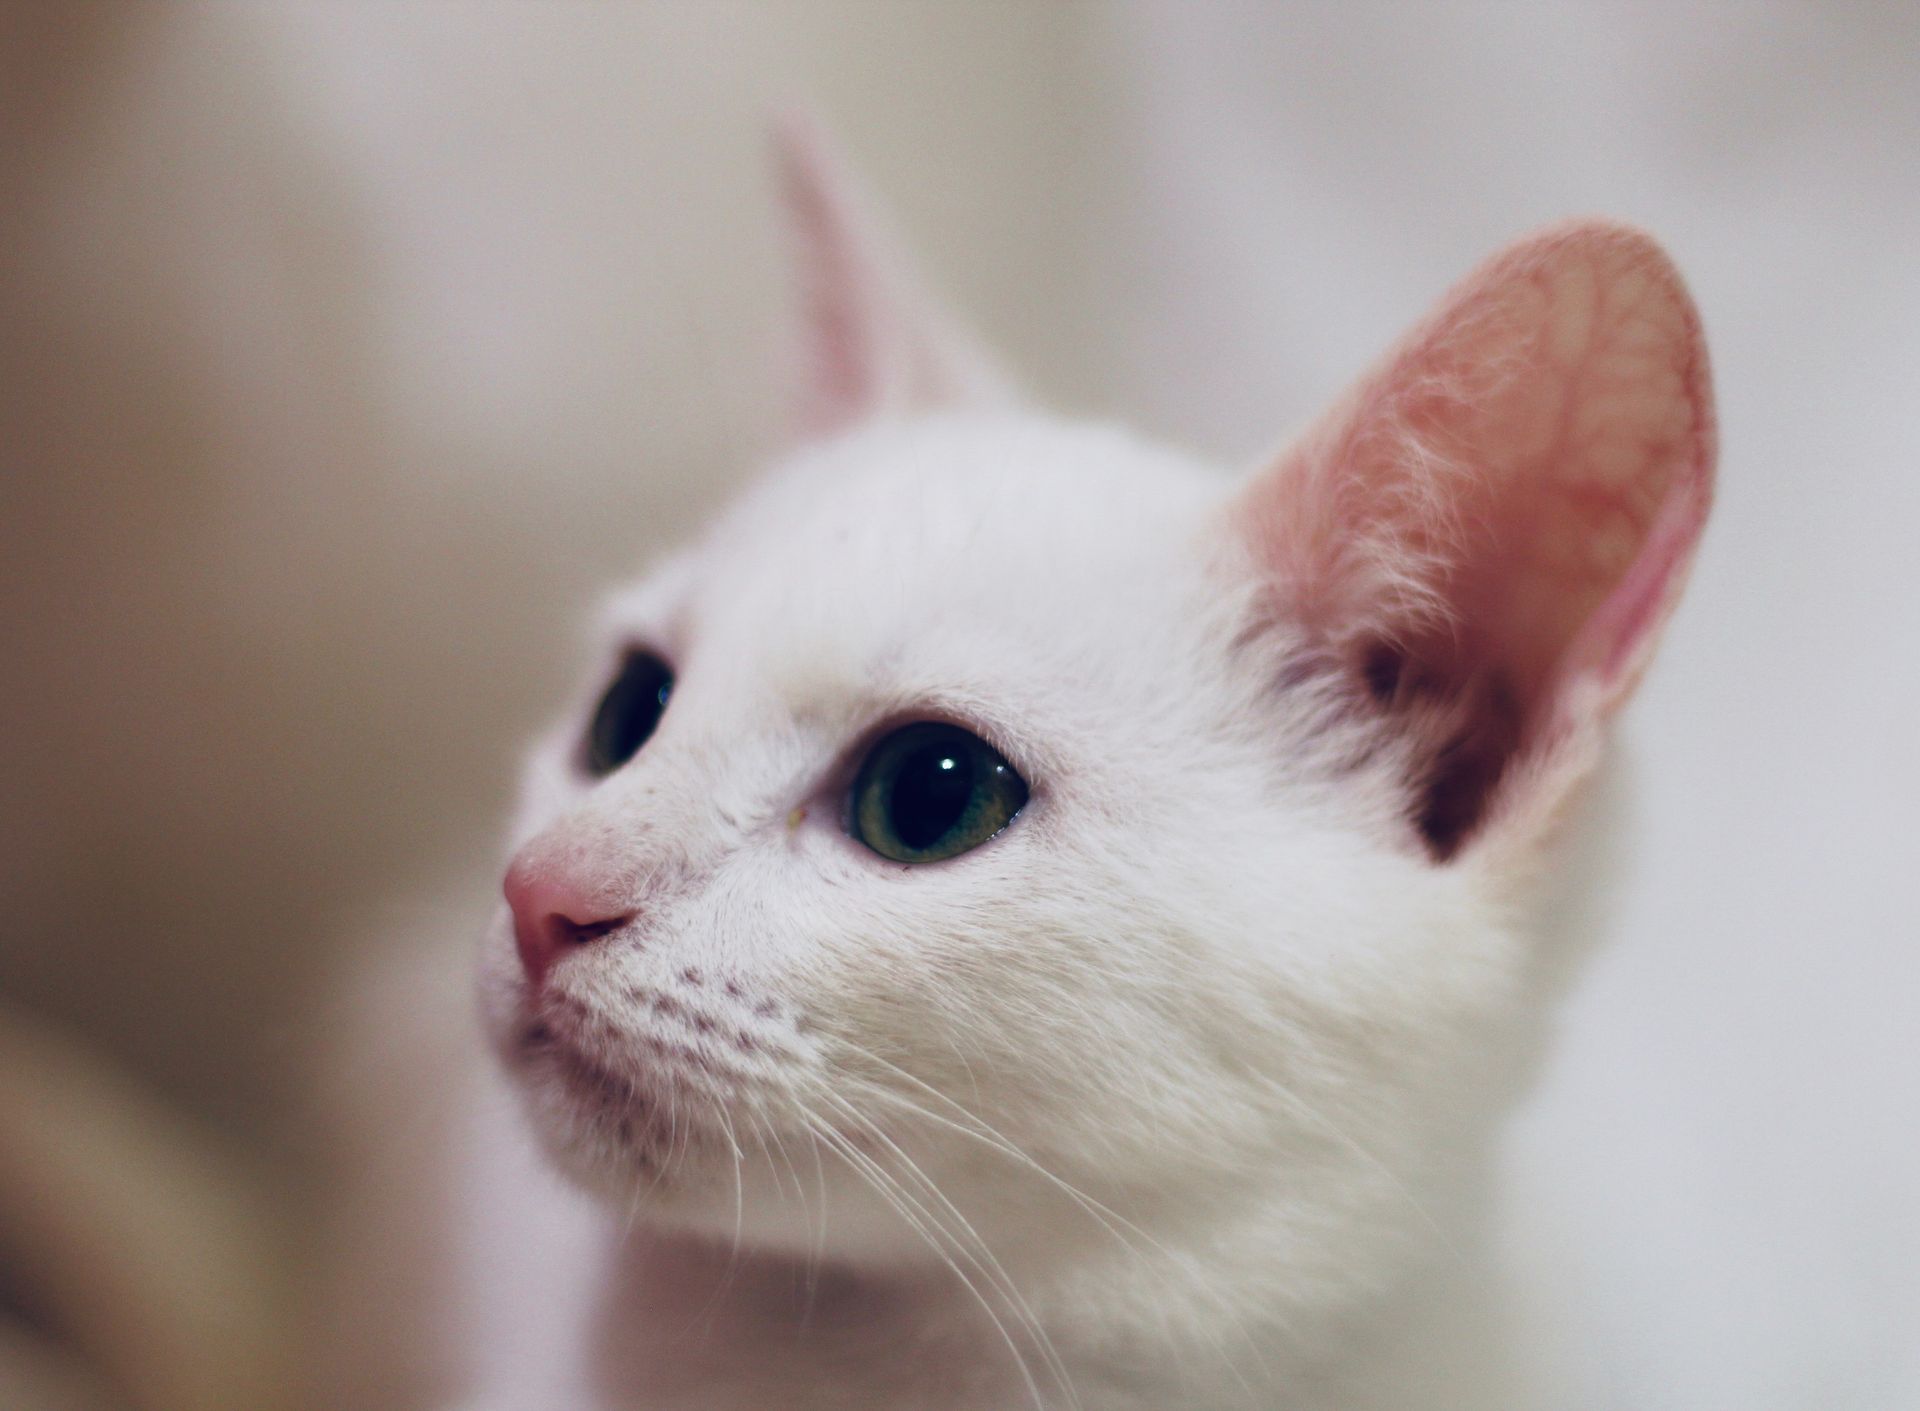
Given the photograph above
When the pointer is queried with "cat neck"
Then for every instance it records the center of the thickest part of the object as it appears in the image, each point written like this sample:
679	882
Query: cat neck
695	1324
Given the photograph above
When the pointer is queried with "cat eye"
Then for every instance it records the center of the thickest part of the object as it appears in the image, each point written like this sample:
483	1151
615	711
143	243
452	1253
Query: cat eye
627	713
932	791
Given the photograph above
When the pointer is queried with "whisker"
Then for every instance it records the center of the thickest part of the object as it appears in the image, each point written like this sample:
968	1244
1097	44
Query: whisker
982	1254
917	1219
1401	1188
971	1124
978	1129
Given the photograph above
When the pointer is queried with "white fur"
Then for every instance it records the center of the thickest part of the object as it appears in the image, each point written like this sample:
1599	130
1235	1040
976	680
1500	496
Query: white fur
1179	1091
1208	981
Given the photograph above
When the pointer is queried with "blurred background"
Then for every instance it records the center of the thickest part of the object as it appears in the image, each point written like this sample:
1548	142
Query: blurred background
348	350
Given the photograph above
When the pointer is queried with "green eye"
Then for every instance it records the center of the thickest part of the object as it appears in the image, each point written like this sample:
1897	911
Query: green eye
933	791
627	713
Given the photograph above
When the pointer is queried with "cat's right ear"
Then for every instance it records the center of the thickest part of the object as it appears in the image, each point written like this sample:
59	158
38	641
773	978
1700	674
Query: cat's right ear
873	342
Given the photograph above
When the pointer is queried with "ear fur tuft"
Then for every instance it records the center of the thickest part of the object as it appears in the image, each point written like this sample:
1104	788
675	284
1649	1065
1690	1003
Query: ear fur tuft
1498	518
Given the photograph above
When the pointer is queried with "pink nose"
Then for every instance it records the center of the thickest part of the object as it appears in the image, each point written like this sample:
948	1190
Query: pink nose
554	912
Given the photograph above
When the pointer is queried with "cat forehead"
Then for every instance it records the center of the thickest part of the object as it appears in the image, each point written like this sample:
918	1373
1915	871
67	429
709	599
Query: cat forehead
961	497
905	546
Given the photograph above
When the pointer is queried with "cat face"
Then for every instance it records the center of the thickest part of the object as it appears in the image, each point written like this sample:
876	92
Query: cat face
1279	757
1100	984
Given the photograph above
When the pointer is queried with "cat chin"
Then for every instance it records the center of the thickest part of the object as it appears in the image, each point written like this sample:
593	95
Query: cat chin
692	1185
721	1177
597	1130
650	1151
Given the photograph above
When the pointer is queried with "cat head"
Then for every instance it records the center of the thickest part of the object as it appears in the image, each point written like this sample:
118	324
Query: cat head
998	828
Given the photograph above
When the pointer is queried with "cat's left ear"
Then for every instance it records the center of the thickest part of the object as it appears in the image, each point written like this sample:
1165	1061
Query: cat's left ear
874	341
1486	535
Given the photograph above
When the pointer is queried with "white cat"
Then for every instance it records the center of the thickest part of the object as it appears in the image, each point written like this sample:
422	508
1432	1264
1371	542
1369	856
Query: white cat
1034	923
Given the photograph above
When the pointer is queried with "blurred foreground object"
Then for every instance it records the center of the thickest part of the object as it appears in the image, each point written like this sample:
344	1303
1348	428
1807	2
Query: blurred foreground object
148	1251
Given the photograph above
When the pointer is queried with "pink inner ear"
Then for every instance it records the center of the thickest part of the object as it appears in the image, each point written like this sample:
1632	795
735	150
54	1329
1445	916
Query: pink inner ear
1544	444
873	341
1489	531
845	315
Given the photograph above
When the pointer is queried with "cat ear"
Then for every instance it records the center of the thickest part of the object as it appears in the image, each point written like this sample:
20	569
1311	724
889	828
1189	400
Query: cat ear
874	343
1487	533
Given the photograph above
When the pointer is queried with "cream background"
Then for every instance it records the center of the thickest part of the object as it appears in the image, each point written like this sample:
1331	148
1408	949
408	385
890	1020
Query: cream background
346	350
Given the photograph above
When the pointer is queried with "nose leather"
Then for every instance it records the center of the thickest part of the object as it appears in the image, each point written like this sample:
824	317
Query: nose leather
558	908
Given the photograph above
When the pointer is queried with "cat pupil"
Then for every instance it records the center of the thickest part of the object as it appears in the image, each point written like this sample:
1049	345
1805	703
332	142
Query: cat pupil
930	794
931	791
